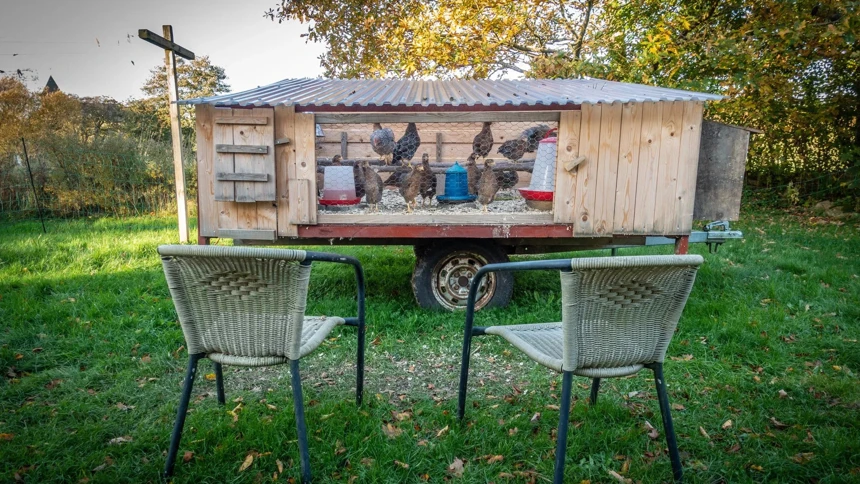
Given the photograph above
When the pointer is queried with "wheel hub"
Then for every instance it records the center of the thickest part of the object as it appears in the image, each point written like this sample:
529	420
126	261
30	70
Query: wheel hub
453	276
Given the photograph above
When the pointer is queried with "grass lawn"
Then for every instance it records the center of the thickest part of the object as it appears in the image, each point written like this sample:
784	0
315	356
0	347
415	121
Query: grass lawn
762	372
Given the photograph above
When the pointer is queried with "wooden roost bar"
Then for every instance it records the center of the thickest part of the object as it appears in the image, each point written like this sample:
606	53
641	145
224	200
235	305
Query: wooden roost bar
627	157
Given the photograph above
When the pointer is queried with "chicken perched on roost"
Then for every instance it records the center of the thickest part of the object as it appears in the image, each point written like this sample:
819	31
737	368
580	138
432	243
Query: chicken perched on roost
533	136
428	181
483	142
488	185
404	151
406	145
472	174
411	186
514	149
382	142
372	186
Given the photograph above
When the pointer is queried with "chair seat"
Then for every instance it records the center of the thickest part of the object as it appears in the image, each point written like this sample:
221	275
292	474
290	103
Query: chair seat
314	331
543	343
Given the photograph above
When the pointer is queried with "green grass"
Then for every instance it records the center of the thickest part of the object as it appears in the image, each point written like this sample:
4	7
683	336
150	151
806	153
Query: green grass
91	351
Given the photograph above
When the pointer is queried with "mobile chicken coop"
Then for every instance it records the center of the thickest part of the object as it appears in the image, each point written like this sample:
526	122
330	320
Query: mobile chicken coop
289	163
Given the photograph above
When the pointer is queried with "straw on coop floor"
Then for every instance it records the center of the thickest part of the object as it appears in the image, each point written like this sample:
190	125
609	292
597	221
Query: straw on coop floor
507	201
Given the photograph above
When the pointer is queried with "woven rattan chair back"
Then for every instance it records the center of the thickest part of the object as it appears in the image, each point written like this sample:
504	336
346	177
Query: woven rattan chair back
239	301
620	312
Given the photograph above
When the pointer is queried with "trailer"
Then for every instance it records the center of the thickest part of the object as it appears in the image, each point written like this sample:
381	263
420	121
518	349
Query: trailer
629	165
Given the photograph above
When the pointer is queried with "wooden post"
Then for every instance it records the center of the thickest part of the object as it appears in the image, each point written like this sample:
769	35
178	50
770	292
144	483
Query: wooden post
344	141
176	134
438	147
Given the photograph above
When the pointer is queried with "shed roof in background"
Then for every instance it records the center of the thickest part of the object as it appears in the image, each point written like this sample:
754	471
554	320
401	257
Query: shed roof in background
445	95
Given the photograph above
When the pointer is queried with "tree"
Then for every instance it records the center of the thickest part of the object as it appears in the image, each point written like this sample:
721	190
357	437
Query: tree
150	116
444	38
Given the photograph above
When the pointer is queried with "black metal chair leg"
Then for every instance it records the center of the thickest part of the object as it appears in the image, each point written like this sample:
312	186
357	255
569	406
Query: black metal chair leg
464	375
299	405
668	428
595	387
563	419
219	382
359	384
180	413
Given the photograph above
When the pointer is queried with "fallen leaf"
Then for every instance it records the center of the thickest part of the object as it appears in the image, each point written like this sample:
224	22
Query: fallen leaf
210	377
367	461
339	448
53	384
678	406
704	433
7	437
249	459
495	458
391	431
124	407
456	467
401	416
727	424
271	407
402	464
652	432
376	341
146	359
19	356
120	440
757	468
37	350
783	394
442	432
803	457
552	407
776	423
734	448
505	475
187	456
535	417
620	478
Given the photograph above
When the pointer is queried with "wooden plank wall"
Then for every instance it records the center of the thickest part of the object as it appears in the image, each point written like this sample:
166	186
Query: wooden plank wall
639	170
219	202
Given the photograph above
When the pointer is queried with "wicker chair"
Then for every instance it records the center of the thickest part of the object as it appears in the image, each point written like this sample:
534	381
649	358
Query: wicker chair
618	316
246	306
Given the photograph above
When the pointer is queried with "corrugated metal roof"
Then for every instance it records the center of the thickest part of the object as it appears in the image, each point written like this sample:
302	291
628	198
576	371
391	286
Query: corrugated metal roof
353	95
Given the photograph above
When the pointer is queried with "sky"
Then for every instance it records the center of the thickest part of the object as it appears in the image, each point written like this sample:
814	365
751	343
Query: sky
88	46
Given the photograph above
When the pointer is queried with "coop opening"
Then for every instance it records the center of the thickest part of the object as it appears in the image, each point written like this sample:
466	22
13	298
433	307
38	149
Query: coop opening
425	168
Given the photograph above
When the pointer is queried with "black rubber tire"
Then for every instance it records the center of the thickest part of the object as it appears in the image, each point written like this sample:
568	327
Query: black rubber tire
436	291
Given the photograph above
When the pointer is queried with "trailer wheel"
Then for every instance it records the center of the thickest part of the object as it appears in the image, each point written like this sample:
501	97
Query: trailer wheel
444	272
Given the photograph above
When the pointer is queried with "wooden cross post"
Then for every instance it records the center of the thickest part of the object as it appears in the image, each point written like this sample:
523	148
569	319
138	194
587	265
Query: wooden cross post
171	50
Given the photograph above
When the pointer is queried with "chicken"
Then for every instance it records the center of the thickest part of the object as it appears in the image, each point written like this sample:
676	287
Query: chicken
411	186
514	149
507	178
488	185
428	181
336	160
472	174
483	141
372	186
382	142
533	136
406	145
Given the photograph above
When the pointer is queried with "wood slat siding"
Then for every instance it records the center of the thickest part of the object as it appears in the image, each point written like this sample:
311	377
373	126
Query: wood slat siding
607	169
248	120
302	172
628	168
254	177
265	163
649	162
285	156
688	166
565	182
667	173
224	162
241	148
479	117
586	177
207	210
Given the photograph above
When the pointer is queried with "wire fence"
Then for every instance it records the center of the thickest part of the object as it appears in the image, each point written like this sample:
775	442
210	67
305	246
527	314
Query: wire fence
115	176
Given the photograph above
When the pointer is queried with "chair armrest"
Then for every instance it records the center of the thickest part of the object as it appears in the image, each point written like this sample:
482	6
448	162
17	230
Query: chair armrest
537	265
359	279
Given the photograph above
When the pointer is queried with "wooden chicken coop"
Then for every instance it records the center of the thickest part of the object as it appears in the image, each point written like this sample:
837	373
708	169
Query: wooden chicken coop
626	159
